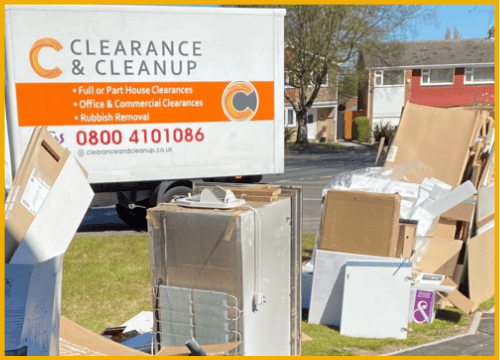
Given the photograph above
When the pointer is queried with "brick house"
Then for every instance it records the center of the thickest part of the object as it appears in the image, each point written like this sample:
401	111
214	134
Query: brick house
441	73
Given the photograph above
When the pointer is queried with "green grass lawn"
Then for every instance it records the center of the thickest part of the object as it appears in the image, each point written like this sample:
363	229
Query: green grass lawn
106	281
328	341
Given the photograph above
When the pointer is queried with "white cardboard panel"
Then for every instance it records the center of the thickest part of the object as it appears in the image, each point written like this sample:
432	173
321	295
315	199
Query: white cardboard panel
307	280
33	307
451	199
328	285
376	298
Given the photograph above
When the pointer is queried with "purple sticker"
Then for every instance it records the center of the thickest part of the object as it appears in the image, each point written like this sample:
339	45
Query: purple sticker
423	306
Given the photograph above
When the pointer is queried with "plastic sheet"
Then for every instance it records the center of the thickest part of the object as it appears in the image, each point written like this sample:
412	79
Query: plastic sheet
379	179
412	180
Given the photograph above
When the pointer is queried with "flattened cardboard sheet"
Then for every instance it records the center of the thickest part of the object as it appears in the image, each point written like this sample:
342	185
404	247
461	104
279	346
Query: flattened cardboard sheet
481	266
433	137
75	340
441	257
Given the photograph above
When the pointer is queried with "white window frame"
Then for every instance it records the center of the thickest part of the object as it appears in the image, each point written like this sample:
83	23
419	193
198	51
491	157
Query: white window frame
427	71
470	71
311	84
287	80
379	75
294	123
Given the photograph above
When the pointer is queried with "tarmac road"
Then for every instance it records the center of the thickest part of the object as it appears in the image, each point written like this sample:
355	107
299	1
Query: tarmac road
312	169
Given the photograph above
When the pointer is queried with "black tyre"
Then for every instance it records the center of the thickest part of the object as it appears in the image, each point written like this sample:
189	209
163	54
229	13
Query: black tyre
135	218
168	195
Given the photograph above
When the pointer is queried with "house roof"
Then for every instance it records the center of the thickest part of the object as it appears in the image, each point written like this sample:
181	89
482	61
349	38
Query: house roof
433	52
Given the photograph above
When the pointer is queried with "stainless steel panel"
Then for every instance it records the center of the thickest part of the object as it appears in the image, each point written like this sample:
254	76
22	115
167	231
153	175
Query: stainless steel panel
255	248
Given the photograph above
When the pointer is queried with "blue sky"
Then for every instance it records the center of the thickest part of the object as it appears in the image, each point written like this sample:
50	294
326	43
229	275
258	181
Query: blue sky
471	21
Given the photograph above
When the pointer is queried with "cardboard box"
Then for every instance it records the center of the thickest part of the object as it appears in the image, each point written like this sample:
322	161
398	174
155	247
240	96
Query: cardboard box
433	137
42	162
361	223
406	239
49	199
75	340
445	229
49	202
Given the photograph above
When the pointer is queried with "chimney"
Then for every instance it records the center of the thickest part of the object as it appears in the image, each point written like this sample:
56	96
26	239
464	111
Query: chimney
491	33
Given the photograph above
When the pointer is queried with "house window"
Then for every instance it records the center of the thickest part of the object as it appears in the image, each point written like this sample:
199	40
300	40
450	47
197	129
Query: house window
389	77
289	118
288	79
379	75
324	82
479	75
443	76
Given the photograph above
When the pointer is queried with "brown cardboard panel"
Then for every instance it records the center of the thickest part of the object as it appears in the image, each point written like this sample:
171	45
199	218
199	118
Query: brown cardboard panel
462	212
406	240
481	266
441	257
445	229
211	350
28	153
457	299
44	158
75	340
458	274
433	137
361	223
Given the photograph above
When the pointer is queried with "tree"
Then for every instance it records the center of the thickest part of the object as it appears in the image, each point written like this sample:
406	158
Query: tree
447	35
320	38
456	34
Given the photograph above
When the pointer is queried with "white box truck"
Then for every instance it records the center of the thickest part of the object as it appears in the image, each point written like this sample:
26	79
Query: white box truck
147	97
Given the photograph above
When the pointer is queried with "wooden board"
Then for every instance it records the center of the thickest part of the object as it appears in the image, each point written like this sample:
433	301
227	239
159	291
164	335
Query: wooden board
259	198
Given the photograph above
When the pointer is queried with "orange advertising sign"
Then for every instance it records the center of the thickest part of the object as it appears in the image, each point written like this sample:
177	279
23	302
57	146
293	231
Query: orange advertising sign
66	104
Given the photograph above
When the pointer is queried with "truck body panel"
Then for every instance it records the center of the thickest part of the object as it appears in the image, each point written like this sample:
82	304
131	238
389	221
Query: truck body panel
148	93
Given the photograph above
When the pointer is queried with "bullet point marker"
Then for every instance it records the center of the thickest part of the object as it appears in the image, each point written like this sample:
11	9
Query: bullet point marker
74	90
75	104
76	117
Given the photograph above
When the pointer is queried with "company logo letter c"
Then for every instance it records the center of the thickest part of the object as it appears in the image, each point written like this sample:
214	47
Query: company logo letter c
35	64
240	101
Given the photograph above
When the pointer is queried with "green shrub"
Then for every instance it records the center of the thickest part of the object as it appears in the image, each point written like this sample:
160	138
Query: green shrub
361	129
384	130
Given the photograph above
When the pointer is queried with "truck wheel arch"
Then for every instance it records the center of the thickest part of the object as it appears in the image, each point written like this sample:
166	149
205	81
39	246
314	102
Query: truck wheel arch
167	189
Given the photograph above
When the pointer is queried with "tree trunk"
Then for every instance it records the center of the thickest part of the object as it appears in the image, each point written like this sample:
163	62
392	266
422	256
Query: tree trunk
302	128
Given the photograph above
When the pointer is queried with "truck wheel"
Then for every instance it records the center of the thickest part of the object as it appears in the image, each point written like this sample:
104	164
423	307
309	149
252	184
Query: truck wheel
168	195
135	218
